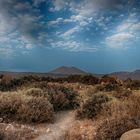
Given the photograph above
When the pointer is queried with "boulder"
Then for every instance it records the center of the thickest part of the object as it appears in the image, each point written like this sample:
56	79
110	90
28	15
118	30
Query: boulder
131	135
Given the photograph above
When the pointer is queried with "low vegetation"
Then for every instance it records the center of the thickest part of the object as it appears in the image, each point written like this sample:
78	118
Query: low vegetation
92	106
119	118
60	97
111	105
16	107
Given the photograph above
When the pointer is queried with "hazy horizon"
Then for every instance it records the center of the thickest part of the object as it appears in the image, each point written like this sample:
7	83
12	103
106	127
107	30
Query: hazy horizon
98	36
93	72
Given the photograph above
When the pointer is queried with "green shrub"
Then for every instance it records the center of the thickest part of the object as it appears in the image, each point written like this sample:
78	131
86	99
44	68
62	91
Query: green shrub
92	106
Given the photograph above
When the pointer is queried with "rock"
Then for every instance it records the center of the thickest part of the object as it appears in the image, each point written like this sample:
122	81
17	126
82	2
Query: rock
9	127
48	130
131	135
1	120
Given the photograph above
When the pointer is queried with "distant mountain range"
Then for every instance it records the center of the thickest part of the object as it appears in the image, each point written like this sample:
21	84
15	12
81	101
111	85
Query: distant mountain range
125	75
58	72
67	71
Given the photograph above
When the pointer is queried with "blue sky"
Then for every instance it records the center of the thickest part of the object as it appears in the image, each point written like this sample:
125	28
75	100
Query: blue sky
98	36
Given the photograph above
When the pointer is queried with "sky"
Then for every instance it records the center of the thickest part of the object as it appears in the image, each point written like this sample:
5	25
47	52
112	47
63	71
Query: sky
99	36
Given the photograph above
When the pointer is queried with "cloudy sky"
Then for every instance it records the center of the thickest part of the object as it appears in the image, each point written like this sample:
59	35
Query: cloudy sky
99	36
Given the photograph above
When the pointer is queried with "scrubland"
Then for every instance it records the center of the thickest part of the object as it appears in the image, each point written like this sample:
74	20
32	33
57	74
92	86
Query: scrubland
104	108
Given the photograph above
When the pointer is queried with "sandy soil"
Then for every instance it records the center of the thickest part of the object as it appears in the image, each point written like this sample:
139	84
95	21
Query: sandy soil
64	120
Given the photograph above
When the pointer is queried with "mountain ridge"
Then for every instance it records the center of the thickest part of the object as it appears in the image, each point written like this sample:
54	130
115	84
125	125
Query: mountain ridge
65	71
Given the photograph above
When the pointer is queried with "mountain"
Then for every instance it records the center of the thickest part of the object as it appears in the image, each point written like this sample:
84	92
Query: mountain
66	71
58	72
125	75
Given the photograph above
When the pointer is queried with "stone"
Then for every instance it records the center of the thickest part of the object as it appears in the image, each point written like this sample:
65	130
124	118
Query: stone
1	120
131	135
48	130
9	127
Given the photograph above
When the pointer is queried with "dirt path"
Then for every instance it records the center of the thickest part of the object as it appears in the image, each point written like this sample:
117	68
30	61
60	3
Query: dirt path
64	120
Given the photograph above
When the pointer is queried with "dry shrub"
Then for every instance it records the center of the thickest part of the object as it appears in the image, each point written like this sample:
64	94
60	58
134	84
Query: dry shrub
107	87
63	98
36	110
108	79
113	128
119	117
132	84
92	106
9	105
16	107
36	92
122	94
90	92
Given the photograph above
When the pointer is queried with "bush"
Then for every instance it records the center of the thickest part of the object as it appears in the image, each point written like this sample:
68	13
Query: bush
62	98
10	84
132	84
16	107
113	128
109	79
92	106
85	79
119	117
107	87
36	110
122	94
9	105
36	92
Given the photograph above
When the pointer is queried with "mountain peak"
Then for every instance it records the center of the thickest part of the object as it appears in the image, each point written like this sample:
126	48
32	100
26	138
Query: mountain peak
65	70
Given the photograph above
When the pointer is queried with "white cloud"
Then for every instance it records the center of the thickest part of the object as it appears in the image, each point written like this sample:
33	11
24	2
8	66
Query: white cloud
72	46
71	31
128	31
58	5
124	27
119	40
131	24
24	19
56	22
